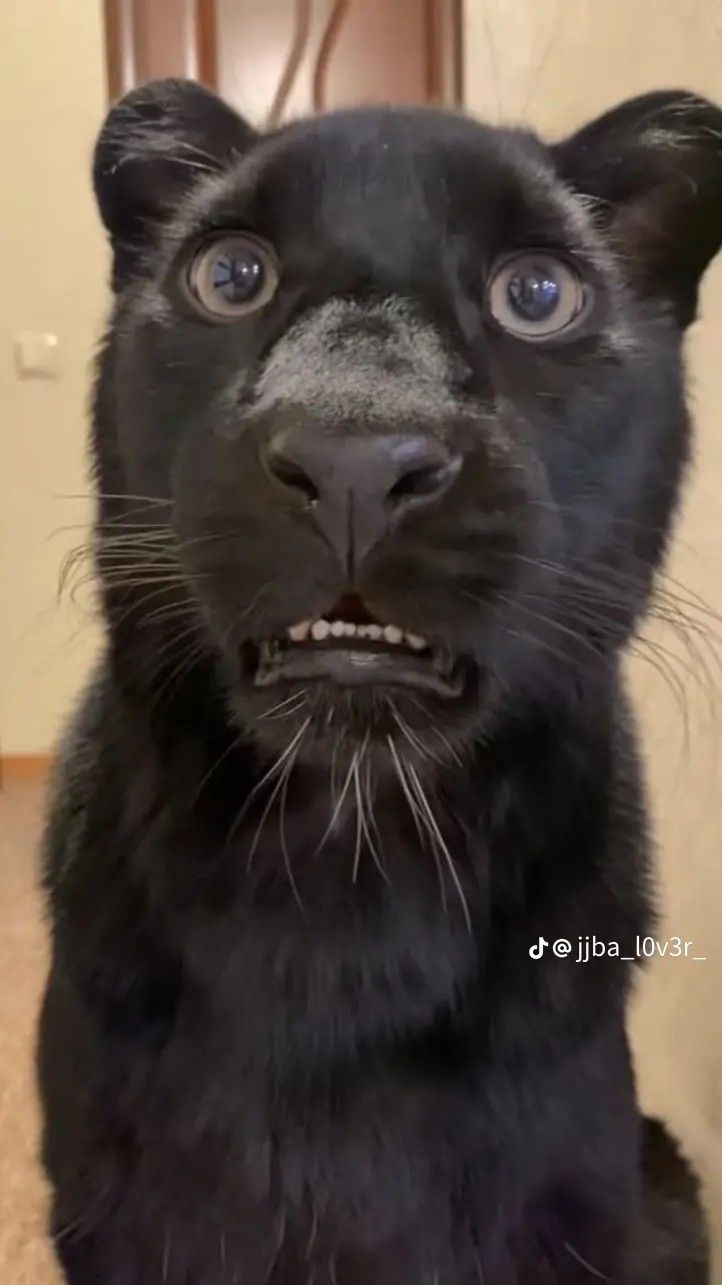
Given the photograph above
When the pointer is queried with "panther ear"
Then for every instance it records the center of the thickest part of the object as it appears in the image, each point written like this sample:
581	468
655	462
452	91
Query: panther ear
654	165
156	143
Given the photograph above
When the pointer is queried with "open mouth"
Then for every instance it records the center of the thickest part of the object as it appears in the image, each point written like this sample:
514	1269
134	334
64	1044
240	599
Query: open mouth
347	646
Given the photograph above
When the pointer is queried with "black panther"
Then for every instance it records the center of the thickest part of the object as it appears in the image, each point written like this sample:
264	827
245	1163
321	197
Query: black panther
389	429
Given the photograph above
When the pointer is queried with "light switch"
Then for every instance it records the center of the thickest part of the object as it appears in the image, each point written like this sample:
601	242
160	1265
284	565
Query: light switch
37	355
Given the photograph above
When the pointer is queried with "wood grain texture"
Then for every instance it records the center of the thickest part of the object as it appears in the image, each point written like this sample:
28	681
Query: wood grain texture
299	44
207	43
278	59
166	38
119	47
330	37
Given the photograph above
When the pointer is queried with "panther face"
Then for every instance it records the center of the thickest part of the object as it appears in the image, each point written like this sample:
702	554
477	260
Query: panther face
404	391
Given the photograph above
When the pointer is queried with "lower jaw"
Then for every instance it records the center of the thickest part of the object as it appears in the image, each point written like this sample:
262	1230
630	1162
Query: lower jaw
369	667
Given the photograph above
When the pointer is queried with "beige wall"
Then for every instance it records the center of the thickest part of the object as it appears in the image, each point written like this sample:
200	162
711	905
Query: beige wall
52	267
554	63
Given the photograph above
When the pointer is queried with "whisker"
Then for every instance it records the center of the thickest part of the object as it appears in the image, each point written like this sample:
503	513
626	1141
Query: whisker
288	713
256	599
171	611
187	663
282	831
221	759
521	605
136	606
211	537
267	776
264	816
414	740
424	803
288	701
336	810
525	636
137	575
593	1271
280	1237
415	812
452	751
286	763
418	818
332	774
370	824
360	820
190	628
150	500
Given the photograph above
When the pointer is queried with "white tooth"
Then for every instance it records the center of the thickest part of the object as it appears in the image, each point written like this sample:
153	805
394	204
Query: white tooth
375	632
349	629
299	632
362	631
392	634
320	629
338	628
417	643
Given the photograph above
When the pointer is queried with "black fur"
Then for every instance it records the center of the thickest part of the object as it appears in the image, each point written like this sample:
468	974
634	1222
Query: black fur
288	1041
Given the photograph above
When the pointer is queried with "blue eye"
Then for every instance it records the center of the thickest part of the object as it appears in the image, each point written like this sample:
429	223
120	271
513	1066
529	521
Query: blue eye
233	276
237	275
533	293
537	296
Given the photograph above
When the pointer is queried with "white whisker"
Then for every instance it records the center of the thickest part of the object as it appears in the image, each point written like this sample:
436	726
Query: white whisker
361	828
371	824
269	713
426	806
267	776
414	740
337	809
413	806
282	832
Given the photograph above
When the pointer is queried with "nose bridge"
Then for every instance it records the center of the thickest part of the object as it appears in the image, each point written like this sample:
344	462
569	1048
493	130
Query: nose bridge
355	475
349	361
354	394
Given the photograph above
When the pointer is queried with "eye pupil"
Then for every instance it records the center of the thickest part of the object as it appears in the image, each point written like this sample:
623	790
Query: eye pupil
237	278
538	296
533	294
231	276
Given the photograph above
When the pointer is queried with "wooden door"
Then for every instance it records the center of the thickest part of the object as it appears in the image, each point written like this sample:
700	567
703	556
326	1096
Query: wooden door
275	59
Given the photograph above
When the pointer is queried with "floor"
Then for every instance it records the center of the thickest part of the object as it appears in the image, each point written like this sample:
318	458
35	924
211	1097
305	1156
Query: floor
25	1257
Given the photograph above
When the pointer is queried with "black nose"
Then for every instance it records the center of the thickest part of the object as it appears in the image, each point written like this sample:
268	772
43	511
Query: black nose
358	487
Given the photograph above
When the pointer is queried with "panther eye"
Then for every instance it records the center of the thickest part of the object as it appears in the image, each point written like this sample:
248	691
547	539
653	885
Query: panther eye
537	296
232	276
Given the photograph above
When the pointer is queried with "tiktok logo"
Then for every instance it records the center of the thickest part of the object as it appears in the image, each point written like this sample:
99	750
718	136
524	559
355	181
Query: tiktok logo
537	951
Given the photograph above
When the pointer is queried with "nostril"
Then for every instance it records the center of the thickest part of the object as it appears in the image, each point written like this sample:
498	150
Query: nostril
424	482
290	474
